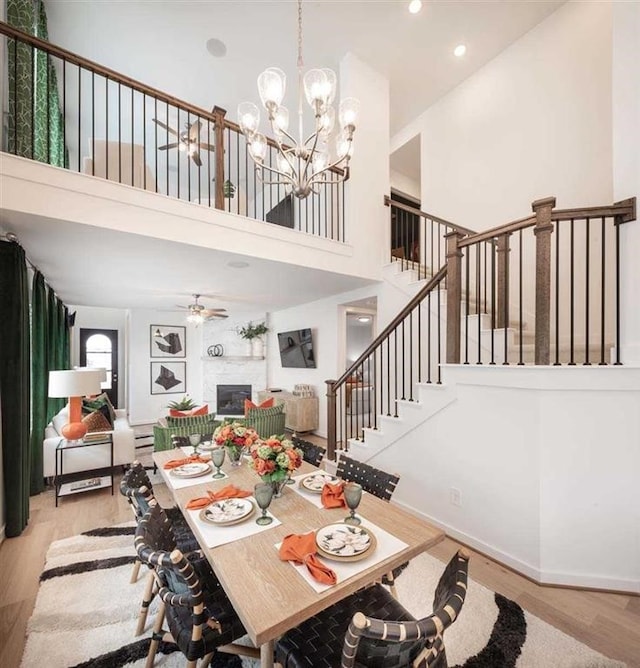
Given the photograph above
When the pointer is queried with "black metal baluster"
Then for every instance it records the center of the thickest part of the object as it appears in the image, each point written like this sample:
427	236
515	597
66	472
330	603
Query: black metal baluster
429	338
411	355
520	358
119	133
389	376
33	106
438	321
557	233
46	60
395	372
602	298
478	299
132	127
571	294
616	223
188	151
93	124
80	125
586	296
505	312
402	357
493	300
144	140
419	343
467	295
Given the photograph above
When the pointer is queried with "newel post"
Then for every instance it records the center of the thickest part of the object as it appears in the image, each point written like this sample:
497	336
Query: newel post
543	229
219	114
503	250
454	295
331	419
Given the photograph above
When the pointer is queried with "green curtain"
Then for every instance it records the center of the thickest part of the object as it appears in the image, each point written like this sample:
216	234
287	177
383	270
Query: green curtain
39	379
53	347
35	124
15	385
64	351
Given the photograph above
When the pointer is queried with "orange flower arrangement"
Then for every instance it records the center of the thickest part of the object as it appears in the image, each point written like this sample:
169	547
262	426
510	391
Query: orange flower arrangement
274	458
235	437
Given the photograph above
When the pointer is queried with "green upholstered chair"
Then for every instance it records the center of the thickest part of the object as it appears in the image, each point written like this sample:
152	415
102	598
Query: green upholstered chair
204	425
266	421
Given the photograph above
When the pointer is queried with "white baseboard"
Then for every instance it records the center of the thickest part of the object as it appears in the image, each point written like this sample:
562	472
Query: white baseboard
542	577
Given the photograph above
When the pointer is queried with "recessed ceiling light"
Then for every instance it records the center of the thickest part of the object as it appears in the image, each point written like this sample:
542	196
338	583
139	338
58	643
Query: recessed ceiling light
238	264
415	6
216	47
364	318
460	50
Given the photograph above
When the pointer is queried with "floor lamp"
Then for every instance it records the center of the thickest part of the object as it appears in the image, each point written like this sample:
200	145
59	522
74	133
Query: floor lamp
74	384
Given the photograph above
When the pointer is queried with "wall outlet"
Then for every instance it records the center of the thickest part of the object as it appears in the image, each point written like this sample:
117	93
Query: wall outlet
455	497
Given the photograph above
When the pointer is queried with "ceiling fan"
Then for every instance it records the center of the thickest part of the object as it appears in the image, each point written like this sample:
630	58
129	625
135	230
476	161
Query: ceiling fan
198	312
188	140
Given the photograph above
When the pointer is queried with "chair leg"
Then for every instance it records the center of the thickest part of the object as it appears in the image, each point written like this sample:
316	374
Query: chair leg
156	636
391	583
135	572
206	661
147	597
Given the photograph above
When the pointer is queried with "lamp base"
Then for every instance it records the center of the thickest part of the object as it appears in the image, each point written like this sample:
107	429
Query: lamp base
74	431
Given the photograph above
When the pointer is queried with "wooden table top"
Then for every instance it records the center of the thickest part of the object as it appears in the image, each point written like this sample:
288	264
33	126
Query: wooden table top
269	596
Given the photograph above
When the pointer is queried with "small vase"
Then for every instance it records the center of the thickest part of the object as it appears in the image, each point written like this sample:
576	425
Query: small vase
235	455
257	347
278	487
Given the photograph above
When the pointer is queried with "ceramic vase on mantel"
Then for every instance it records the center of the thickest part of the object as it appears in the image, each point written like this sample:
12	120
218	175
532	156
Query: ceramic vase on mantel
257	347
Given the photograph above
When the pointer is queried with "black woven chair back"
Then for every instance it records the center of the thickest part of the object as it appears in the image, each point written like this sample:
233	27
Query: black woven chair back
311	452
179	441
373	480
136	486
199	615
449	599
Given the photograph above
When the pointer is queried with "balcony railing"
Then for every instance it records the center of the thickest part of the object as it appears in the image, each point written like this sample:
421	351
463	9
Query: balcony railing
70	112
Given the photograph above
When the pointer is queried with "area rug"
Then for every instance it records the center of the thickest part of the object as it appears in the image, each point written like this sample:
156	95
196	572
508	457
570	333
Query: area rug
86	610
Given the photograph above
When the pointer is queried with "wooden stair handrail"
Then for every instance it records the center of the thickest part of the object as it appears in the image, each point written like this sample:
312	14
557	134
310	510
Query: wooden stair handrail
423	214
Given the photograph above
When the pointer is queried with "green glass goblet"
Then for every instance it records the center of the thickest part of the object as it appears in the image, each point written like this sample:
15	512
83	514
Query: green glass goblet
263	493
217	458
352	497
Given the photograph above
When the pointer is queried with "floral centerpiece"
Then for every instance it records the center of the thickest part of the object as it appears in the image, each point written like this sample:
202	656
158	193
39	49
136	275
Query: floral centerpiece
235	437
274	458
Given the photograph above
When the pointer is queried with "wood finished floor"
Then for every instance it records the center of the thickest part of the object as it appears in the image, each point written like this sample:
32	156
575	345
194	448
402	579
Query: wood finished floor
609	623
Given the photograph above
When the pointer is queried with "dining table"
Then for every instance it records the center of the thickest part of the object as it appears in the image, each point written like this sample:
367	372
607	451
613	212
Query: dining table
272	596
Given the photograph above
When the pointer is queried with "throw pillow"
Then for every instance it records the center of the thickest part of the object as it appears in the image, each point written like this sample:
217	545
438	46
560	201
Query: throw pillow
96	421
90	404
203	410
191	420
248	405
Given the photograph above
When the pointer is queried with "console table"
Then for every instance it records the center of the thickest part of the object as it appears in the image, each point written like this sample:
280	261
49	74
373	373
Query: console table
301	412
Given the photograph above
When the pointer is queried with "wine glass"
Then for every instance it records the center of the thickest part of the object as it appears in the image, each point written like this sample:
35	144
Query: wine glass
217	457
194	440
352	496
263	493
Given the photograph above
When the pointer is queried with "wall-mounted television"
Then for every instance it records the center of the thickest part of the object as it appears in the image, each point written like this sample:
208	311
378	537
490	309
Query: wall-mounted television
296	349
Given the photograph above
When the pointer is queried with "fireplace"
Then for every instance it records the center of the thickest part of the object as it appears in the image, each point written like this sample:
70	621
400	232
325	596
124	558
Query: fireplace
230	399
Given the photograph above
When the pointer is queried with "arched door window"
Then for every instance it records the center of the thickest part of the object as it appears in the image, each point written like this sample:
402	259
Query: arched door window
99	348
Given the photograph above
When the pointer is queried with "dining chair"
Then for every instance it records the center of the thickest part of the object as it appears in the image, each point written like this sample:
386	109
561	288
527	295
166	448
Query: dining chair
376	482
138	490
199	615
372	629
311	452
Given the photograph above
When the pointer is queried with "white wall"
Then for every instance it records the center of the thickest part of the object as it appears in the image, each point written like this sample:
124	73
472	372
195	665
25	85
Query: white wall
626	162
534	122
546	464
405	184
144	407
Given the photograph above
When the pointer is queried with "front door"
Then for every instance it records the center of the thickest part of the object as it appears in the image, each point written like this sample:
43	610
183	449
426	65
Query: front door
99	348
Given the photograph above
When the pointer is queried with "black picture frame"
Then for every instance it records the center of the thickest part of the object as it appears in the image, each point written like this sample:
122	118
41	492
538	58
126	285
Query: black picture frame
168	377
167	341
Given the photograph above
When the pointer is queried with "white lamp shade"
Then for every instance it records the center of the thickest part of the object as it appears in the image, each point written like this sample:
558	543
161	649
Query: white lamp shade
74	383
101	372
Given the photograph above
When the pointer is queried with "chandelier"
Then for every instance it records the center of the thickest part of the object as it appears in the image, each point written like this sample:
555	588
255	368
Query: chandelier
302	165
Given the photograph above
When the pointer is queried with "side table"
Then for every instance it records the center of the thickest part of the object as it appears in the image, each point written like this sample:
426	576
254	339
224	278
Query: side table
82	481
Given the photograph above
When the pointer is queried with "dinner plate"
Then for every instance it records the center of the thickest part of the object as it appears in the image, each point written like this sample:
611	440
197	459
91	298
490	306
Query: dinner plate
344	542
191	470
207	446
316	481
227	511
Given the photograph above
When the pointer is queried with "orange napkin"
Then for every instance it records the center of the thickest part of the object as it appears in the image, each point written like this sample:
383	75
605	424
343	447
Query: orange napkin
228	492
333	495
174	463
301	549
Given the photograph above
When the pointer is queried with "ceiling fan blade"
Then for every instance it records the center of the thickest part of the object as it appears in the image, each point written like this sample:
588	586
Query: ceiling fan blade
164	126
195	156
213	311
194	131
206	147
215	315
166	146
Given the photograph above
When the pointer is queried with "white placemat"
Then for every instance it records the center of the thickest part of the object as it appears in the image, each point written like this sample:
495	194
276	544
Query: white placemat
387	545
179	483
213	535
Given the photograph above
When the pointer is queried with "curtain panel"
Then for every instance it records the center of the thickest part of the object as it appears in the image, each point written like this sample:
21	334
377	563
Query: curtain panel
39	379
15	385
55	343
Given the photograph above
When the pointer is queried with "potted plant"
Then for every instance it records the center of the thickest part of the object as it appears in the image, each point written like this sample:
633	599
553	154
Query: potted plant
253	334
182	407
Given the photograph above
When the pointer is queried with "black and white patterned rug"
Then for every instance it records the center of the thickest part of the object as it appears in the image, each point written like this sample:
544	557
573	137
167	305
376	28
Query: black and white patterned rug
86	610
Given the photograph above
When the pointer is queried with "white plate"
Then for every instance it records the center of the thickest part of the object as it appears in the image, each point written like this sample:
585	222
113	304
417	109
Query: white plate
316	481
208	446
227	511
344	542
191	470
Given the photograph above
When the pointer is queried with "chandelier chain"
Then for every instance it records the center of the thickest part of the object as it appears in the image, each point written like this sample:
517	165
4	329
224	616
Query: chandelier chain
300	62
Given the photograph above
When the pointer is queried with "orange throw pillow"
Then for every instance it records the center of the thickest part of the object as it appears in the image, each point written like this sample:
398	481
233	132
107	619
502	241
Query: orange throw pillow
267	403
203	410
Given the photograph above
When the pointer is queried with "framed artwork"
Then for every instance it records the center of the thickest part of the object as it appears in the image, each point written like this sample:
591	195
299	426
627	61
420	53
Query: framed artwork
168	377
168	341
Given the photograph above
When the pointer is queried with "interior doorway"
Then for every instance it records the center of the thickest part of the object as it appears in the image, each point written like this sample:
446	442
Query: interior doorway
99	348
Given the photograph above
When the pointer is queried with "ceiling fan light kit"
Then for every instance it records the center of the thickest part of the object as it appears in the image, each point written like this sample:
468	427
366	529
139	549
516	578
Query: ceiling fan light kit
304	165
198	313
187	141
